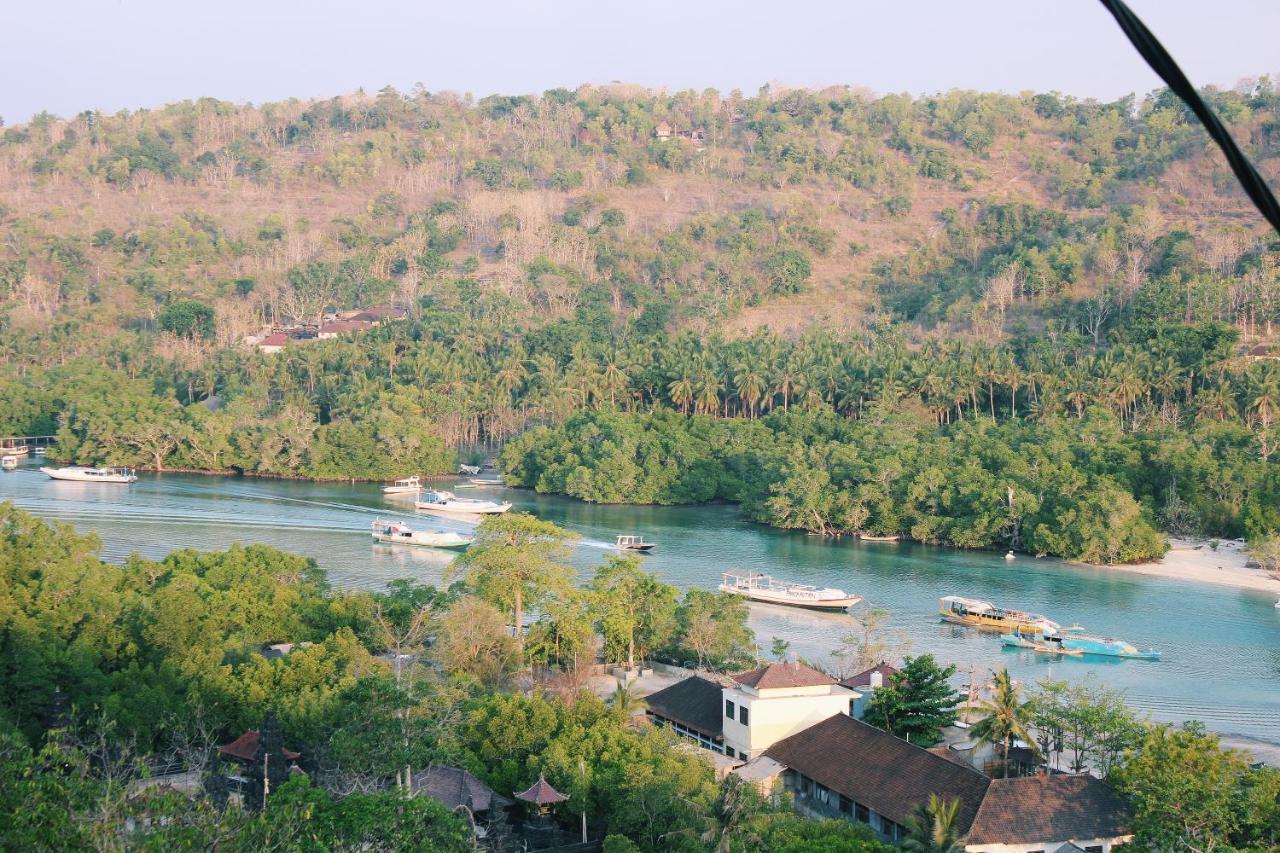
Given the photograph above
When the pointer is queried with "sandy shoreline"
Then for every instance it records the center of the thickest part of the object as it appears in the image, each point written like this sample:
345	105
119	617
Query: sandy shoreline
1195	560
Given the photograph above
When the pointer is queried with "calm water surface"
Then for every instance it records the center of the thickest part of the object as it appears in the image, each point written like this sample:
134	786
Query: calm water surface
1221	646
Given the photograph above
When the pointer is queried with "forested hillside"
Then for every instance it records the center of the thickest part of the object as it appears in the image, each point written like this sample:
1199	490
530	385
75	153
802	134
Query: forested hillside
1019	320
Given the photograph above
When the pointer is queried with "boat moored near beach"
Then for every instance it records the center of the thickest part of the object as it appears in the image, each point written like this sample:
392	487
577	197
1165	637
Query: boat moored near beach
867	537
395	533
447	503
81	474
761	587
985	616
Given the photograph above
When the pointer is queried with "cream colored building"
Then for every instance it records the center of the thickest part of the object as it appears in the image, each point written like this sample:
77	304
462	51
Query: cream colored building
775	701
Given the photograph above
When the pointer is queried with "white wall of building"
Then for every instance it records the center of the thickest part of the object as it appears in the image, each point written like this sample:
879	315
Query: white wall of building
1048	846
775	714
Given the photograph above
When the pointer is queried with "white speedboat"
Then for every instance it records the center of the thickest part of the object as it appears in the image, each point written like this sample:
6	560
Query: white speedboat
406	486
8	462
447	503
81	474
634	543
395	533
762	587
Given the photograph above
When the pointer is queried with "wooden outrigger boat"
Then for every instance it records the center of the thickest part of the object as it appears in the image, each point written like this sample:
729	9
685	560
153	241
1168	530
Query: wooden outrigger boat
1049	644
761	587
985	616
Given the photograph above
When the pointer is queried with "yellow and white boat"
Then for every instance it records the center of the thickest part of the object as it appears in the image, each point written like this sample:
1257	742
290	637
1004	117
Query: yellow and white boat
985	616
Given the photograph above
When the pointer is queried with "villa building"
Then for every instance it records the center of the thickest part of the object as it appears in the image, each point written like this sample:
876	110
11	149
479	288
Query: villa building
755	709
788	725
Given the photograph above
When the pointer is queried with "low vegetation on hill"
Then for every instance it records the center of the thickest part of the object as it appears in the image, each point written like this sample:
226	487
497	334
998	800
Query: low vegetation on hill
1013	321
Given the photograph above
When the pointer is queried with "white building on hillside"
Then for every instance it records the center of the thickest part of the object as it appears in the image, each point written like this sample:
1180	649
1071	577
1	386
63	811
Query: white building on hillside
775	701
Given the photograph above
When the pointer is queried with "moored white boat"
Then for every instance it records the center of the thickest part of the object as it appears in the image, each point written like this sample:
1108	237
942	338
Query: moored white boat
15	449
395	533
482	481
447	503
82	474
405	486
761	587
866	537
8	462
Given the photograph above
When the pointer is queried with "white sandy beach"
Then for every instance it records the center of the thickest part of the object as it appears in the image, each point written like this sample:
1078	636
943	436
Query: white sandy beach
1195	560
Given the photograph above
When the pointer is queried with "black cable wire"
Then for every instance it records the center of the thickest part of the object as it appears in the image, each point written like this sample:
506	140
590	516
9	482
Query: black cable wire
1162	63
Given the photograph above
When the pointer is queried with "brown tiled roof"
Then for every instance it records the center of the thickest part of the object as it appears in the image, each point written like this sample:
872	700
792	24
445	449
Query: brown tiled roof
695	702
951	755
339	326
275	340
777	675
1045	809
542	793
453	787
245	748
863	679
878	770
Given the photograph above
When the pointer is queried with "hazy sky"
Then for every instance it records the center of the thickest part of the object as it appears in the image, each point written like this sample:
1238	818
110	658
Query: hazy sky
71	55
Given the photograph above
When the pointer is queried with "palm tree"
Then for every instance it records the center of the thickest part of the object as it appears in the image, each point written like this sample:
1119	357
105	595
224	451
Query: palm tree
932	829
1007	718
681	391
624	701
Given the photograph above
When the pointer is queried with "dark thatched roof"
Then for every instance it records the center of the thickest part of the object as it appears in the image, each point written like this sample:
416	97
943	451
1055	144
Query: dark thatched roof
1041	809
452	787
694	702
878	770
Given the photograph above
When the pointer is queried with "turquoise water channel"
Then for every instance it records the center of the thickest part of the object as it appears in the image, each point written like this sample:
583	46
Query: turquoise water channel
1221	646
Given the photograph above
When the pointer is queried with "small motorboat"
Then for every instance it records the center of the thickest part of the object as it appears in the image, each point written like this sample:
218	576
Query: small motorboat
761	587
8	462
82	474
1010	556
447	503
633	543
16	449
395	533
468	470
866	537
405	486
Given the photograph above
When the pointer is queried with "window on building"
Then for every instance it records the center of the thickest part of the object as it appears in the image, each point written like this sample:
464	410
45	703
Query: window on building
861	813
846	805
822	794
1097	848
742	714
890	829
806	785
728	708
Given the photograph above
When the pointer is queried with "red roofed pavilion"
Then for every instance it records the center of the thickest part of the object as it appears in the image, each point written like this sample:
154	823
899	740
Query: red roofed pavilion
542	795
